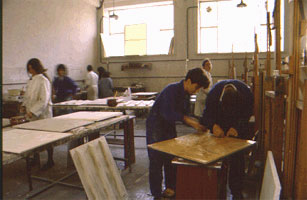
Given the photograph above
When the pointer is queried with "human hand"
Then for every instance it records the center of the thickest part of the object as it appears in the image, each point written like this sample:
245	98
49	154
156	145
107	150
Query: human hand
22	109
232	132
29	115
218	131
200	128
194	123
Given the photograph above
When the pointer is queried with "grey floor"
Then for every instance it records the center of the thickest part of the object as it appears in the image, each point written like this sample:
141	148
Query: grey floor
15	185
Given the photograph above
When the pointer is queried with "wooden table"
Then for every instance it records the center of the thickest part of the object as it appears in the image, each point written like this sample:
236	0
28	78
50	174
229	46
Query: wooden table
123	105
81	132
203	149
144	95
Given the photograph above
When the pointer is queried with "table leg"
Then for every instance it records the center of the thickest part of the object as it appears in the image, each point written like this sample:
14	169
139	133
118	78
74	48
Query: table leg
129	150
28	168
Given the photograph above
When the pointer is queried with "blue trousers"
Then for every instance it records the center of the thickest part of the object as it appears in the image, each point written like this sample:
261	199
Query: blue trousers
159	130
157	161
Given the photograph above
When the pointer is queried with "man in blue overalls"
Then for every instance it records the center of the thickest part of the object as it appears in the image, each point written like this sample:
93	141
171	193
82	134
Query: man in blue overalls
229	105
170	106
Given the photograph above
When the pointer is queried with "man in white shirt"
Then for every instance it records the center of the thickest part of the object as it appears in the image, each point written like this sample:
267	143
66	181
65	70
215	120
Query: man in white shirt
202	94
91	83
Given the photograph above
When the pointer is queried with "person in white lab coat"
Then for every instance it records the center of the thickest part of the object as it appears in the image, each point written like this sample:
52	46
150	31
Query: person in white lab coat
91	83
37	98
202	94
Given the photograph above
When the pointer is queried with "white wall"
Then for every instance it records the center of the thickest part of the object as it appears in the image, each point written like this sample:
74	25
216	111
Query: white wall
55	31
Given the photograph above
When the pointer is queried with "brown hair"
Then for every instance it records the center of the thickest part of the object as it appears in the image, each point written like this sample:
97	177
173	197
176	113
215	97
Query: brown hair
37	67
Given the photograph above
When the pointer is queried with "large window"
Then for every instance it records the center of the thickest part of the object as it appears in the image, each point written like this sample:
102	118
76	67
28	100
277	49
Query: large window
144	29
224	27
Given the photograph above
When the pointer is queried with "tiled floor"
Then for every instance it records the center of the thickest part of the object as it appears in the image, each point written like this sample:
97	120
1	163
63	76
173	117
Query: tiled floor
15	184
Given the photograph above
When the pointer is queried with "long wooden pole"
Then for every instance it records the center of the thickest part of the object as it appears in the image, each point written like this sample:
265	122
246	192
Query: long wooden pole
300	191
269	43
256	87
291	118
277	35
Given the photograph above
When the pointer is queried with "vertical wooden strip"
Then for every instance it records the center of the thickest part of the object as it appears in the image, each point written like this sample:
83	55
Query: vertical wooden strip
291	125
300	191
277	34
129	141
267	125
277	130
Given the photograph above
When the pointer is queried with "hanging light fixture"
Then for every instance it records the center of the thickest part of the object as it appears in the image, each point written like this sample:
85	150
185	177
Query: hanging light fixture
113	15
241	4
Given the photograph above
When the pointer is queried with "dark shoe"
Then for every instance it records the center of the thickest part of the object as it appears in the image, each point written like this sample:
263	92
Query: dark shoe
168	193
48	165
238	196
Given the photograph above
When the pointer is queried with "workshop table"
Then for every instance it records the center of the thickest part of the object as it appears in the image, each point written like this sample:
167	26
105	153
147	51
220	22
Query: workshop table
203	149
123	105
77	133
144	95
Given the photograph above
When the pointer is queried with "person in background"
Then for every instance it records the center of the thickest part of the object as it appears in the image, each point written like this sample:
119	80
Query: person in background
202	93
171	105
37	98
64	87
91	83
229	106
105	84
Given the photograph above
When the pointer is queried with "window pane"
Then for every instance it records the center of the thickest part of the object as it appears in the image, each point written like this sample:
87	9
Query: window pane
113	45
237	26
158	17
160	42
135	47
135	32
208	14
209	40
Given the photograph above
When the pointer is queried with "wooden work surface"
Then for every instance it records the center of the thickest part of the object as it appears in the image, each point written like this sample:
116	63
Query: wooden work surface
54	124
21	141
144	106
91	116
202	148
79	132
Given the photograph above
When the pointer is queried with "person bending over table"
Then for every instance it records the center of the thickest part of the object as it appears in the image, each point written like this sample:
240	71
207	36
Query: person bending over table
229	106
37	98
171	105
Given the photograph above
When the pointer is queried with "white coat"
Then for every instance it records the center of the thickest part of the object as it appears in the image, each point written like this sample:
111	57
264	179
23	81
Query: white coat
91	81
201	97
37	98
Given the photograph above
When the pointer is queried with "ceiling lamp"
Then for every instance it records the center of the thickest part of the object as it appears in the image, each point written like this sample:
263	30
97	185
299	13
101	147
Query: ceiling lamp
241	5
113	15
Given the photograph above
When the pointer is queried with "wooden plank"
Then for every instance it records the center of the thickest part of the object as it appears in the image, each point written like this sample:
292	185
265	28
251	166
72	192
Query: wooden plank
267	124
276	140
21	141
277	35
53	124
91	116
291	120
98	172
300	188
202	148
271	187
